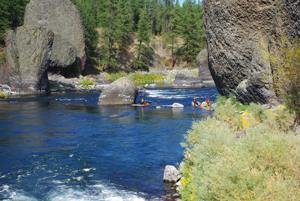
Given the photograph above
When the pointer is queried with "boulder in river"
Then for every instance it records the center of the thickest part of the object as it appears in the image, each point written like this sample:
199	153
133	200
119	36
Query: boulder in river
171	174
185	79
121	92
177	105
63	18
28	50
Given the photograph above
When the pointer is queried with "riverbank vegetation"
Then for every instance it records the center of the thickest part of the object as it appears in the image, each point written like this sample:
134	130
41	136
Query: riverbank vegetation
138	76
249	156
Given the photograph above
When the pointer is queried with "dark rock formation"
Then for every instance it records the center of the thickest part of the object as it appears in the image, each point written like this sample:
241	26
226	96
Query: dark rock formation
238	37
63	18
185	79
202	62
121	92
28	50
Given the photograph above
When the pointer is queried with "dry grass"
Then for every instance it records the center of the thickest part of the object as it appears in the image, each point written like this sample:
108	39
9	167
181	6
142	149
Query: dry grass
264	164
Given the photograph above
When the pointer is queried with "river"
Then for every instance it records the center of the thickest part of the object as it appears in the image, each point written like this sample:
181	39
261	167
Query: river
65	147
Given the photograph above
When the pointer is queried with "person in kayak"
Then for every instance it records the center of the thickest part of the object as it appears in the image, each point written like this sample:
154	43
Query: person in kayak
207	102
196	103
144	102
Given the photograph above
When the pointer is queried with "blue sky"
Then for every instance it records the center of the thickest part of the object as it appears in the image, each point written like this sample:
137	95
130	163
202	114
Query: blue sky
181	2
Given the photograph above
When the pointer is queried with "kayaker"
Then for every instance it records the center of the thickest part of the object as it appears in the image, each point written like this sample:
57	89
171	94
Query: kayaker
196	103
144	102
207	102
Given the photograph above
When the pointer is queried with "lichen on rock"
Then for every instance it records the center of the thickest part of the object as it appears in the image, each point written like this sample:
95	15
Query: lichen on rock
63	18
28	50
238	36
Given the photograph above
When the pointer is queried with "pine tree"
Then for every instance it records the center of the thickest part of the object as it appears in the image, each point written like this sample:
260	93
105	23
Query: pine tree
88	12
191	46
5	23
173	29
143	37
109	34
124	25
116	23
200	25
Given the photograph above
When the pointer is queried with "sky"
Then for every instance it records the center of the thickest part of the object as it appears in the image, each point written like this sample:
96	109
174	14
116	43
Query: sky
181	1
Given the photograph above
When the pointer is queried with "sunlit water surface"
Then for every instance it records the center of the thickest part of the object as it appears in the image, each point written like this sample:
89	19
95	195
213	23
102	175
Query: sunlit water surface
65	147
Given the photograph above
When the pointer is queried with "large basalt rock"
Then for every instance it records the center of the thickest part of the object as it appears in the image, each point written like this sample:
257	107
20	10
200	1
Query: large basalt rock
121	92
63	18
185	79
238	37
28	51
202	62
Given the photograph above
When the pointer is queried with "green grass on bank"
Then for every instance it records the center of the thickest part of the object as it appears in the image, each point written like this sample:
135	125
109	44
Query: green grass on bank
137	77
146	77
263	164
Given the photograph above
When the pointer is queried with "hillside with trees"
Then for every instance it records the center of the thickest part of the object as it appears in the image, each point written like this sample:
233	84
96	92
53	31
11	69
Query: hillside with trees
119	19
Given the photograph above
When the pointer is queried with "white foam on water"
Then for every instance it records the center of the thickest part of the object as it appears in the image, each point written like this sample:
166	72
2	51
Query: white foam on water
78	178
165	95
94	192
65	193
88	169
15	195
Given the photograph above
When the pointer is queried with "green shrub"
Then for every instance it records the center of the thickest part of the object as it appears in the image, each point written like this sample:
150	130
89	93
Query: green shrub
146	77
227	113
87	82
264	164
241	107
221	100
117	75
168	62
2	57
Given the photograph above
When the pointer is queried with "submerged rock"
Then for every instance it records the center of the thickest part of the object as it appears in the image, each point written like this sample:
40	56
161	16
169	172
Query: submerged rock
28	50
177	105
185	79
121	92
63	18
171	174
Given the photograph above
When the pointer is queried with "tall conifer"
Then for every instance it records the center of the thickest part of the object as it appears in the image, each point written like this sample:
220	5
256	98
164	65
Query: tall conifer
191	46
174	29
143	37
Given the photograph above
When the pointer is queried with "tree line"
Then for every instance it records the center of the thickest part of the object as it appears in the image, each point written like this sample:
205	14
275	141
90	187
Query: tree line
165	18
11	14
117	18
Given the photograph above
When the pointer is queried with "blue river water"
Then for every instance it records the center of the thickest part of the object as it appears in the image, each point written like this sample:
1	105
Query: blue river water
65	147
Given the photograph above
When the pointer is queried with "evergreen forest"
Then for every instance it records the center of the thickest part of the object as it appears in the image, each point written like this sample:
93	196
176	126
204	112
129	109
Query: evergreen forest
118	18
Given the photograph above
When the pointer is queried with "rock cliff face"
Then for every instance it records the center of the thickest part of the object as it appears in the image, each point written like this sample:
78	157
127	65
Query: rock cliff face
28	50
238	37
62	17
202	62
